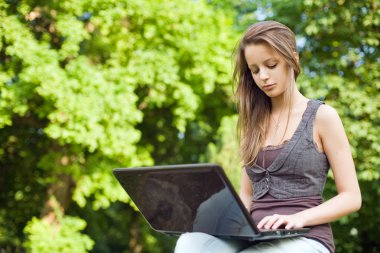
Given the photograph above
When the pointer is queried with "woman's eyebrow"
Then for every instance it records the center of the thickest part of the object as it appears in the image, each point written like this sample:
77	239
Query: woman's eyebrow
265	61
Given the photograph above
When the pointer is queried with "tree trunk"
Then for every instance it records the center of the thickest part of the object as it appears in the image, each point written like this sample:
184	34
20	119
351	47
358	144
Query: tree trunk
134	242
59	196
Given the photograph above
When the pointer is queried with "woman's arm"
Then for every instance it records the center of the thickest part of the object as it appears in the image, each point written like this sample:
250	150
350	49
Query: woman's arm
335	144
245	189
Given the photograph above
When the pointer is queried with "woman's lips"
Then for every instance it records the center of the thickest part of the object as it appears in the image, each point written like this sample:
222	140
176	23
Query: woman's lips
268	86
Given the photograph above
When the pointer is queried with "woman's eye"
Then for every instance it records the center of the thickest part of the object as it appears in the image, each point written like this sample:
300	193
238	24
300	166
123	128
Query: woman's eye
255	71
272	66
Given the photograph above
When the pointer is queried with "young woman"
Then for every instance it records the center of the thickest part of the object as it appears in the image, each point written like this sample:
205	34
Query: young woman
288	144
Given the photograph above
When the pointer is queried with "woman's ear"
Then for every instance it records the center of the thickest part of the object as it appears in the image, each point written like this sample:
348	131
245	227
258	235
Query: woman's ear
297	57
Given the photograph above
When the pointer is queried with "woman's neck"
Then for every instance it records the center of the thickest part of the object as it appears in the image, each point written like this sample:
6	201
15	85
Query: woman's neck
279	104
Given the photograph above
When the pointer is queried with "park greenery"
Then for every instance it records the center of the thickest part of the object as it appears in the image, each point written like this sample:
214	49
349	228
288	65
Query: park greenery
90	85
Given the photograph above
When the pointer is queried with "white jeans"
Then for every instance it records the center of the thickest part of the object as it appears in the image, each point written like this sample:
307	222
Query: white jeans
204	243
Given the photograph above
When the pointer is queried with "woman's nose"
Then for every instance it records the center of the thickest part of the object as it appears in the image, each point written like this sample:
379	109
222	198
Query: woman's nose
264	75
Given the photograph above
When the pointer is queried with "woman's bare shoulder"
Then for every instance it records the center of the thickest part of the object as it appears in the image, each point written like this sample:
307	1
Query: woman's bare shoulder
327	119
326	112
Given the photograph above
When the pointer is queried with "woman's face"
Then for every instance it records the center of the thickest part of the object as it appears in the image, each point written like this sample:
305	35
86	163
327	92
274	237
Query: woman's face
269	70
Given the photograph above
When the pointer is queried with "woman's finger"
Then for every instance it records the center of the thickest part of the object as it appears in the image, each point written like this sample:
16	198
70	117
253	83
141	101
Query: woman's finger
271	221
290	225
263	222
278	223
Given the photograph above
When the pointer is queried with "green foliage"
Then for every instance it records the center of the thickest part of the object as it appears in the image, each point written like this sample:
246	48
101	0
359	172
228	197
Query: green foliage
87	86
226	150
62	236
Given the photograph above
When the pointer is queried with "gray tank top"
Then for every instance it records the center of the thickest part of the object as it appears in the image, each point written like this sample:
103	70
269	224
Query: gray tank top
300	170
268	205
293	179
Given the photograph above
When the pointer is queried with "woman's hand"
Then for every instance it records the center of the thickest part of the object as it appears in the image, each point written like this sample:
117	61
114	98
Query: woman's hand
275	221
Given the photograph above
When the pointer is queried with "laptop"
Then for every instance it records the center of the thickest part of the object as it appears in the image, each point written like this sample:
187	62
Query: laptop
176	199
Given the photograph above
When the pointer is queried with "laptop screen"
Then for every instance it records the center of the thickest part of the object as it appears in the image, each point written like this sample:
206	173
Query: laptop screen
185	199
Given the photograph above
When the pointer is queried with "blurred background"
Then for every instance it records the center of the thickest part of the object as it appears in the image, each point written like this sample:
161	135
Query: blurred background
90	85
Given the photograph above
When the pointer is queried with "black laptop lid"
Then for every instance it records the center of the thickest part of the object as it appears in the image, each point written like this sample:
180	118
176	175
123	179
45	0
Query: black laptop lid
187	198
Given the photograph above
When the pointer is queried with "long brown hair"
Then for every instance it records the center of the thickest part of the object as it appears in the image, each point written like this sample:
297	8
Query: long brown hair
254	105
